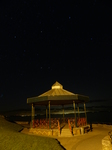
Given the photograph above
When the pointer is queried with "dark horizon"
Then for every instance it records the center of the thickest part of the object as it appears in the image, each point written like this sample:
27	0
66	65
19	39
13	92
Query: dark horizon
102	103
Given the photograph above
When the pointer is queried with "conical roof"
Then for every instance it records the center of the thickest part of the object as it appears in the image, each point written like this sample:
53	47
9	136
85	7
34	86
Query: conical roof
56	90
57	96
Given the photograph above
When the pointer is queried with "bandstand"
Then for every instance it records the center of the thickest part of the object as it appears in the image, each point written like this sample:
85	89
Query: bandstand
58	96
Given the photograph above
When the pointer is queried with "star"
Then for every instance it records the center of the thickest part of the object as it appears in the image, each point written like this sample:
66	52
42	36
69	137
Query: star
1	95
69	17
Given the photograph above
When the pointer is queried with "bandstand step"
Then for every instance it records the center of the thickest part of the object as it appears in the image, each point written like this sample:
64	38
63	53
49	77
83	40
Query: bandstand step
66	133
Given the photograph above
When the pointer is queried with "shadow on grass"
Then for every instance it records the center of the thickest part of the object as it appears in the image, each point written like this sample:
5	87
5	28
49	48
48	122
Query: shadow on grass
60	144
21	130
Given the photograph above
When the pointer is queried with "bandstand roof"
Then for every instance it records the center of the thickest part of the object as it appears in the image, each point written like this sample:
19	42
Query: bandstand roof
57	96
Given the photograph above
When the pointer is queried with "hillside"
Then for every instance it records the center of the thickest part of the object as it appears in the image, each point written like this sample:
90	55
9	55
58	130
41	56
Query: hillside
11	138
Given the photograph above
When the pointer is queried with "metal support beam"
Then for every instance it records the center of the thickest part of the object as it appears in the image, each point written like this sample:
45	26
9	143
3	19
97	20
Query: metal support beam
85	112
32	115
49	117
75	114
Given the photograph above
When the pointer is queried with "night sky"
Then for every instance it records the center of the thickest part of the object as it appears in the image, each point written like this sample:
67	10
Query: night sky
47	41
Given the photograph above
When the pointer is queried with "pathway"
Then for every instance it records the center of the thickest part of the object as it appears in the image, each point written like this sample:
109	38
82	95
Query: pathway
89	141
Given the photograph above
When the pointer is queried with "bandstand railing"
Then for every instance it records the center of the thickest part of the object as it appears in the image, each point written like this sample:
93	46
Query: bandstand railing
81	122
56	123
43	123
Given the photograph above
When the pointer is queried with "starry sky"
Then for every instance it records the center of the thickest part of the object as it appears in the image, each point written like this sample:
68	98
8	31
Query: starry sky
47	41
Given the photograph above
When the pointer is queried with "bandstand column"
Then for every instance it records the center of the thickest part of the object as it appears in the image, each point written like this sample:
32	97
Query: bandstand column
32	115
78	110
75	114
49	117
63	114
85	112
46	113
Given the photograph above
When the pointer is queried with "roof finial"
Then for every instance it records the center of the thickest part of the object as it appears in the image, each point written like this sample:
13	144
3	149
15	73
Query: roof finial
57	85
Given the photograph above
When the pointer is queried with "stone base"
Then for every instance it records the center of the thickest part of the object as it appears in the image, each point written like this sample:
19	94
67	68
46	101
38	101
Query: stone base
44	132
76	131
80	130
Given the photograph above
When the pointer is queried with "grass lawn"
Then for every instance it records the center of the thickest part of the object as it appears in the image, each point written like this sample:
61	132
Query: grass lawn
12	139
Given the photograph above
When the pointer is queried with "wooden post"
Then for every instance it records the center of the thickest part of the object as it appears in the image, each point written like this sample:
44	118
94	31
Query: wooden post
85	113
75	114
78	110
49	117
63	114
46	112
32	115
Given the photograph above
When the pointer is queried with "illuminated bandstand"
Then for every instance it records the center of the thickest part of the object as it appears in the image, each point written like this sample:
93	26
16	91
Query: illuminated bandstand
55	97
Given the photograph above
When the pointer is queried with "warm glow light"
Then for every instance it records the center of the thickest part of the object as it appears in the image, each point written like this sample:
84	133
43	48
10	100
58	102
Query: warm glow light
57	87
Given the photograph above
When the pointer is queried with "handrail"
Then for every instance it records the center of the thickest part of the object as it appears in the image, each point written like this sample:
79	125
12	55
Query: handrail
59	126
69	126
